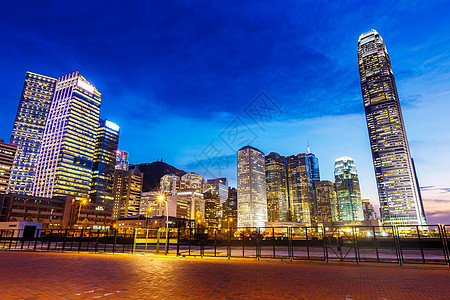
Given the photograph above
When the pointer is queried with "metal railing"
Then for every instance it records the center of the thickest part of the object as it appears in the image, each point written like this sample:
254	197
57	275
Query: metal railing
386	244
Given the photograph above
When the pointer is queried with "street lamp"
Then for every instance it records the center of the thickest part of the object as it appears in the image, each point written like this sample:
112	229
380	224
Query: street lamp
82	202
161	198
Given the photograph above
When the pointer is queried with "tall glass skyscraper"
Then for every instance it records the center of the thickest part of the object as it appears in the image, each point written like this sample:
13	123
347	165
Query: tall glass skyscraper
104	163
28	129
300	183
398	188
67	151
276	184
347	190
327	208
251	188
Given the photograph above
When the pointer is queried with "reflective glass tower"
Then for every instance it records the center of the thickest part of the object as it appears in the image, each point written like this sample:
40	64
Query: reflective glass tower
28	129
300	183
347	190
276	184
251	188
398	189
104	163
67	151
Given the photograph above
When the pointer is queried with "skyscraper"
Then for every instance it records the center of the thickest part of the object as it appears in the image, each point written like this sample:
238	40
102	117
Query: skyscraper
127	192
67	151
251	188
347	190
398	189
300	183
7	152
327	208
104	163
28	129
219	186
276	184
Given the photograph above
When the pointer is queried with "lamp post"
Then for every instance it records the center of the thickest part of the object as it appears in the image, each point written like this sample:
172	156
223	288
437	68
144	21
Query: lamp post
161	198
82	202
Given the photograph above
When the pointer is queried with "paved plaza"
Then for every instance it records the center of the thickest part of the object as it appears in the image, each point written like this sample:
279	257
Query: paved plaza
34	275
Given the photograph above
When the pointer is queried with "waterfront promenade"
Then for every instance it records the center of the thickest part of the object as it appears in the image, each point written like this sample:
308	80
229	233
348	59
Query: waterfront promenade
38	275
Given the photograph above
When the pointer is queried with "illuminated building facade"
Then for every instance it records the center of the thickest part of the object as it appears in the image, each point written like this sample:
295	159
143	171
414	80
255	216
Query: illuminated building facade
7	153
251	188
300	183
229	209
28	129
212	209
398	189
347	190
219	186
187	204
327	208
277	191
127	192
149	205
104	163
169	184
67	151
121	160
369	212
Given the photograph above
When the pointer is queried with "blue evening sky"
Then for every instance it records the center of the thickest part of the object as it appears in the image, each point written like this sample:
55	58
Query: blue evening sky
181	77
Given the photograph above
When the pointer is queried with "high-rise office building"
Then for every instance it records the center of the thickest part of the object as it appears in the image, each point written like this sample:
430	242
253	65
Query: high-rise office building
251	188
127	192
67	151
398	189
276	185
327	208
369	212
169	184
28	129
121	160
104	163
219	186
300	184
212	209
347	190
229	209
7	153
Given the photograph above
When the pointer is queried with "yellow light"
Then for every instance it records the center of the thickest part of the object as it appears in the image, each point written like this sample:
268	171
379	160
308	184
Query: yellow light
161	198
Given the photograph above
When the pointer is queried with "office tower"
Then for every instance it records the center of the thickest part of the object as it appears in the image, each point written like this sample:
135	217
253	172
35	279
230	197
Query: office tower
150	205
300	183
67	151
347	190
368	211
229	209
121	160
169	184
219	186
127	193
276	185
398	188
251	188
212	209
104	163
28	129
193	181
187	204
327	208
7	153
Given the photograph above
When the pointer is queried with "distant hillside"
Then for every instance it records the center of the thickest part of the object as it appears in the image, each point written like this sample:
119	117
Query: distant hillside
153	173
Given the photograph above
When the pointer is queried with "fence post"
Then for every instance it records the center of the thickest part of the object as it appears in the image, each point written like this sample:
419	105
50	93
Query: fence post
215	242
115	240
178	241
273	241
229	242
64	240
307	242
50	239
355	241
134	240
375	242
11	239
80	240
420	243
444	243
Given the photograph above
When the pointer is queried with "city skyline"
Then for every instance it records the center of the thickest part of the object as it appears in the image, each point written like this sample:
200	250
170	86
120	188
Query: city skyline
325	118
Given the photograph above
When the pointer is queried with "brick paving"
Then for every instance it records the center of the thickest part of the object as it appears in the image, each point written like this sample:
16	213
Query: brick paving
32	275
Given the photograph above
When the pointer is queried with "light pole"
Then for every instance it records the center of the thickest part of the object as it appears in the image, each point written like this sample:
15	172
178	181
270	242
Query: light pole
162	198
82	202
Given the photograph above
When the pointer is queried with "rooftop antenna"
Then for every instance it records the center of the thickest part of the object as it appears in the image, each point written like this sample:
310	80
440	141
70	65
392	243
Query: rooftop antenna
309	150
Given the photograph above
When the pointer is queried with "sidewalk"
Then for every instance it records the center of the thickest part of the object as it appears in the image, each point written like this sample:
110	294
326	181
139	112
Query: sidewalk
31	275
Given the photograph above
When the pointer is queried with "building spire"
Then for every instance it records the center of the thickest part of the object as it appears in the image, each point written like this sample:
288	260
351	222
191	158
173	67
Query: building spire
309	150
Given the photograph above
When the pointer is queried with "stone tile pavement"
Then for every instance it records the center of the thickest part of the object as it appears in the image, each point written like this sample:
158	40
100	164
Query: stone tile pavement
34	275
